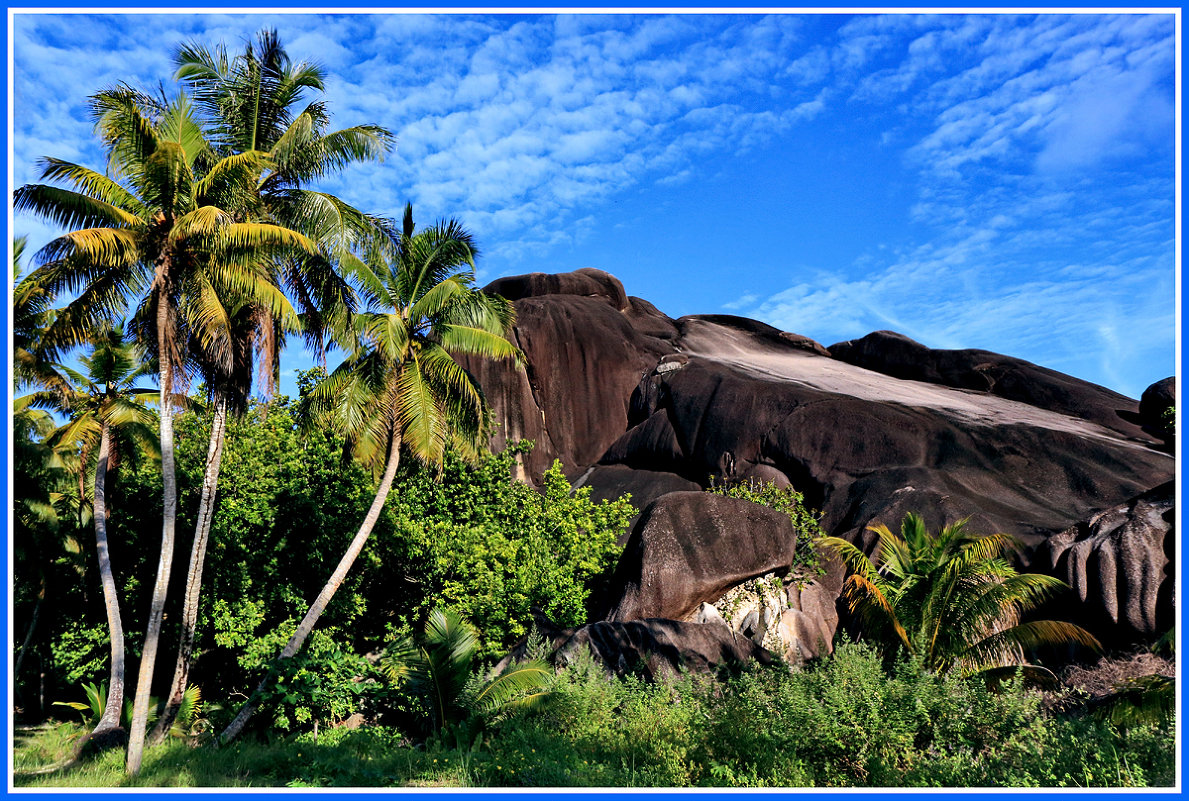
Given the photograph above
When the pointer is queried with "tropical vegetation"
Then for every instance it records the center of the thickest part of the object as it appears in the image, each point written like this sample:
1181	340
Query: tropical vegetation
204	247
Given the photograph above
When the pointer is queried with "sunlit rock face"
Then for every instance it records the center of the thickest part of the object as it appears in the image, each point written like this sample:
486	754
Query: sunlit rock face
631	400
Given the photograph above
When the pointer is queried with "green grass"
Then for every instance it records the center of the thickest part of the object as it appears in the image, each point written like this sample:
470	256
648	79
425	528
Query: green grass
846	722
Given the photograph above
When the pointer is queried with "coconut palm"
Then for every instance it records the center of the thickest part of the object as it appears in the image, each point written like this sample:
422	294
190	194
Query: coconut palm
108	418
252	103
952	598
161	230
248	103
400	387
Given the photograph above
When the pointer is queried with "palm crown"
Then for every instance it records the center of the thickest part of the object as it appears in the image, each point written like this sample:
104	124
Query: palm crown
952	597
105	395
160	228
400	379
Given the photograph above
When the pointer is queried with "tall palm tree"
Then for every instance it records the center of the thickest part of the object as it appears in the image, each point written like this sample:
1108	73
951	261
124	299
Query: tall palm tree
229	387
400	386
952	597
108	417
249	106
160	229
252	103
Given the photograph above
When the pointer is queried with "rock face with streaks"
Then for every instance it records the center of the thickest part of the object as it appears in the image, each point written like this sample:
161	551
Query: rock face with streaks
1120	564
629	399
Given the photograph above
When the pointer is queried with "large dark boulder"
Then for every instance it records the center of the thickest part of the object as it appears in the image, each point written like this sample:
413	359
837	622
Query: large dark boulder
1120	564
584	356
651	648
1156	399
983	371
689	548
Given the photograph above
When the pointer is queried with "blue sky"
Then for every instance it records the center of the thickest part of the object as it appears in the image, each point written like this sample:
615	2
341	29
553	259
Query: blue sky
992	181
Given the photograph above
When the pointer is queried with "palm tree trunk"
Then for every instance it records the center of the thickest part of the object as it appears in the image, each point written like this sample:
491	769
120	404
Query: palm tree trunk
29	634
311	618
148	659
206	512
115	692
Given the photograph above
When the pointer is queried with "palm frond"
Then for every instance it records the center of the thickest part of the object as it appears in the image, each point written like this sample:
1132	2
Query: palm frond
520	685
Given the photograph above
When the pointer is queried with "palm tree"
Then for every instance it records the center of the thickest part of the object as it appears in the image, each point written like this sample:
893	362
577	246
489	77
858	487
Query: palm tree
107	413
229	388
251	105
952	598
400	386
440	669
160	229
248	103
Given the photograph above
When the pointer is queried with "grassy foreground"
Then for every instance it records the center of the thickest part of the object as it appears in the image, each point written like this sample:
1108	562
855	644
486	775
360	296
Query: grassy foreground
848	722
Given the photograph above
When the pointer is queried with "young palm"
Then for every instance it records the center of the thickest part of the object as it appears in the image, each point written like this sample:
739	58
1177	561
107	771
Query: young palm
162	231
108	417
248	103
400	386
439	668
952	597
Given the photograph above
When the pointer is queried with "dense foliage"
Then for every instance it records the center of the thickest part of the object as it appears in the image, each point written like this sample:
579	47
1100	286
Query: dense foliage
843	722
470	539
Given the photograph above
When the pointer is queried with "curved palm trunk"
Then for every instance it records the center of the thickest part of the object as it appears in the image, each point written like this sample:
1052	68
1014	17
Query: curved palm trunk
148	659
206	512
311	618
115	693
32	628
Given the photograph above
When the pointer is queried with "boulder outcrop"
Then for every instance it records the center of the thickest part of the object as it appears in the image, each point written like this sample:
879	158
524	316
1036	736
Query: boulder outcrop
689	548
630	399
652	648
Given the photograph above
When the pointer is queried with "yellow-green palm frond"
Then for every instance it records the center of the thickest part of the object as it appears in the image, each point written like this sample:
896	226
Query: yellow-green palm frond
855	560
166	181
1008	600
1009	646
202	222
477	342
420	415
70	209
232	181
92	184
894	554
78	257
266	237
450	380
433	302
387	334
868	601
520	686
180	127
122	117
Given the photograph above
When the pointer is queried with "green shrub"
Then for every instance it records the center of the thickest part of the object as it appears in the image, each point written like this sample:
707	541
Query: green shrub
478	542
322	683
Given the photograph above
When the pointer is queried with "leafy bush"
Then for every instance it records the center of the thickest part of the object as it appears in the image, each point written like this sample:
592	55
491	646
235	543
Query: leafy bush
322	683
476	541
